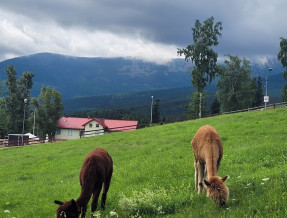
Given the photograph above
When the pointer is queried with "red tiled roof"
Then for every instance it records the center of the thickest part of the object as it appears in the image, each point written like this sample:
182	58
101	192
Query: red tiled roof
75	122
111	125
120	125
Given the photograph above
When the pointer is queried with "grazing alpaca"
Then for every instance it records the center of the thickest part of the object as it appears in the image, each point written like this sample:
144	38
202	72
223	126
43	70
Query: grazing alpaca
97	170
208	151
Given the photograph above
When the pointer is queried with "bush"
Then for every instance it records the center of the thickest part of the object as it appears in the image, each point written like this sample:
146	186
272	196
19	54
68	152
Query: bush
158	202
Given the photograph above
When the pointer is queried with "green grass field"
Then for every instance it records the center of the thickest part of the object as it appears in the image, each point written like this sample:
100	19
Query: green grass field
153	170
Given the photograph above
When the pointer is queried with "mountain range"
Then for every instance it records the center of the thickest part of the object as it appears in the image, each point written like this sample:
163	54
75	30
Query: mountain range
83	81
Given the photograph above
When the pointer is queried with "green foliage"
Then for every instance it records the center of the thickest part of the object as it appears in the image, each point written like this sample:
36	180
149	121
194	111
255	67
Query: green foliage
193	107
15	93
201	53
3	119
49	110
259	93
153	170
158	202
284	93
236	89
156	111
215	107
282	55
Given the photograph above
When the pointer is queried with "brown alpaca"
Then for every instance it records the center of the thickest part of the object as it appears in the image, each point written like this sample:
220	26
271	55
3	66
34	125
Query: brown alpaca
97	170
208	151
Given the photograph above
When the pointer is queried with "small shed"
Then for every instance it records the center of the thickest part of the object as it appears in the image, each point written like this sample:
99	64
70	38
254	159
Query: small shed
18	139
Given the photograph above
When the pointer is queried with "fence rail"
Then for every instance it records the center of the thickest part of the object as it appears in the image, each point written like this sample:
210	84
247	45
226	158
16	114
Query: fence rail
269	106
11	143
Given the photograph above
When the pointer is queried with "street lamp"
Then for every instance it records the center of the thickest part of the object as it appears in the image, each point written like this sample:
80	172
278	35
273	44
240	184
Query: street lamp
34	121
25	102
266	97
151	110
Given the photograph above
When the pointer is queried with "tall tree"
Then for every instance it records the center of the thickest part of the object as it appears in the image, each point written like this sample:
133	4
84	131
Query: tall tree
282	55
284	93
193	107
235	91
49	110
202	55
3	119
15	94
253	89
156	111
215	107
259	92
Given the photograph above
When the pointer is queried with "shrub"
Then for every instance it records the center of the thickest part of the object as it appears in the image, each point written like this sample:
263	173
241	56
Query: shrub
157	202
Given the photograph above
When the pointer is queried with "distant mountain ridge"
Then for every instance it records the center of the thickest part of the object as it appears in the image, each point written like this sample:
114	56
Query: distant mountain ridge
82	77
103	79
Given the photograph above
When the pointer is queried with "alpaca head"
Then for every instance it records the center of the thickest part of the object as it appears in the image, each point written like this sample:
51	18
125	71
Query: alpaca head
216	190
67	209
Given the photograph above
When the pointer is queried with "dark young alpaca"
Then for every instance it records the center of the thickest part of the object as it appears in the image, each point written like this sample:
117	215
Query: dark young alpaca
208	152
97	170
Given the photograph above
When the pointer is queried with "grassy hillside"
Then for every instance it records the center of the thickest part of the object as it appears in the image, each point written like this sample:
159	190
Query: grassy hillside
153	170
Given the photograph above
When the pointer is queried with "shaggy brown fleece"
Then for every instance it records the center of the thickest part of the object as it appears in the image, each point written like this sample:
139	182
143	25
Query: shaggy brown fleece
96	173
208	152
217	190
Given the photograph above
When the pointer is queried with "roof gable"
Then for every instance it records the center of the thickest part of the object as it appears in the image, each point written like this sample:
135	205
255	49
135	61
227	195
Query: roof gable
111	125
74	122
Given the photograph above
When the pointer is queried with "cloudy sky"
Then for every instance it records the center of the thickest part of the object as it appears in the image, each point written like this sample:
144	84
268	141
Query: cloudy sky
147	29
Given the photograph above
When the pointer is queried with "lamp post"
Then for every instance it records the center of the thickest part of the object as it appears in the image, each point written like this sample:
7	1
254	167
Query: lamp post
151	110
25	102
34	121
266	97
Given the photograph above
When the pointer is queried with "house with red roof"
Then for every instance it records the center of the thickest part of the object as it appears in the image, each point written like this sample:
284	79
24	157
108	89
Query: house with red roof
75	128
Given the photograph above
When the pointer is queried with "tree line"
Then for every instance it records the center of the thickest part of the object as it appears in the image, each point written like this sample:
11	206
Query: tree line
237	89
22	113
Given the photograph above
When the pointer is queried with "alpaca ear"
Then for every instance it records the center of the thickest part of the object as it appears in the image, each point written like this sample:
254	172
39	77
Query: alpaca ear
206	182
224	178
58	202
74	204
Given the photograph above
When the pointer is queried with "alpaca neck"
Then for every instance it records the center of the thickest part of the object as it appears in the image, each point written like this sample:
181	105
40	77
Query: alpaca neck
211	167
83	199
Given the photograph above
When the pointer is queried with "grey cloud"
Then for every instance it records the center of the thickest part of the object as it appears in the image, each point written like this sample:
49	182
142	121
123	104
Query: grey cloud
249	27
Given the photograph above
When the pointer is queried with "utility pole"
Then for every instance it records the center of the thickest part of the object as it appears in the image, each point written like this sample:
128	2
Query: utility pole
151	110
23	129
266	97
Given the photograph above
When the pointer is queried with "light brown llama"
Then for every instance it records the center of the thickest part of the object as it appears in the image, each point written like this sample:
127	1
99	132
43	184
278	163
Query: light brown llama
97	170
208	151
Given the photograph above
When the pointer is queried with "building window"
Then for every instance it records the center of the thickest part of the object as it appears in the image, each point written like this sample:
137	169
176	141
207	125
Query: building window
58	132
91	125
70	132
97	125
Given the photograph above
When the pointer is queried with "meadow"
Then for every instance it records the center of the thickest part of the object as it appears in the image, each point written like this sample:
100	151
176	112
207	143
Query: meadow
153	170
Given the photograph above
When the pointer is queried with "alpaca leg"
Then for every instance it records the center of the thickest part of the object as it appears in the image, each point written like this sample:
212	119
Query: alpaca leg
106	189
205	172
96	193
83	211
195	176
200	167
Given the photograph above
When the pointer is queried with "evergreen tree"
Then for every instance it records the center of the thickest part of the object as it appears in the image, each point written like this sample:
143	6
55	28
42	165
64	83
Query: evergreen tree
284	93
156	111
259	93
215	107
202	55
15	94
253	90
